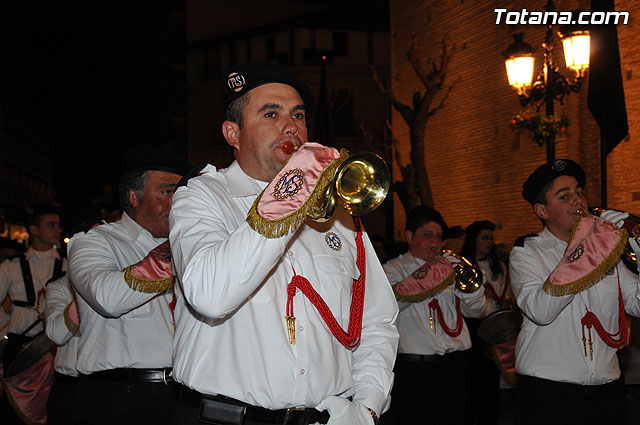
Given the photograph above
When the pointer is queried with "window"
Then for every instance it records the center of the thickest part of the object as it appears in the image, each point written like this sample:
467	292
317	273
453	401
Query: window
340	44
271	48
342	108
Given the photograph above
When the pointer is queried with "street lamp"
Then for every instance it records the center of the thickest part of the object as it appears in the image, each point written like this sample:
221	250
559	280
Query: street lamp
549	85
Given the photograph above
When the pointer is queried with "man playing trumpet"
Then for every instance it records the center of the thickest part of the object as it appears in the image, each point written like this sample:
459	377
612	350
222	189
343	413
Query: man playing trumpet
274	322
573	292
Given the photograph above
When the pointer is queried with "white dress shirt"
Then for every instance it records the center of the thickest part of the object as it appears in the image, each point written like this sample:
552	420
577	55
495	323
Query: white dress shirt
231	335
550	342
119	327
41	264
416	335
59	295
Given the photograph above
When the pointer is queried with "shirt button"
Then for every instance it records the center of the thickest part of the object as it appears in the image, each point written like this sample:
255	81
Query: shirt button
301	328
302	371
342	269
290	253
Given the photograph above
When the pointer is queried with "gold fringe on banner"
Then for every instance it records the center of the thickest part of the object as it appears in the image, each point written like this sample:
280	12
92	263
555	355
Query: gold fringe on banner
71	325
284	225
594	276
147	285
430	293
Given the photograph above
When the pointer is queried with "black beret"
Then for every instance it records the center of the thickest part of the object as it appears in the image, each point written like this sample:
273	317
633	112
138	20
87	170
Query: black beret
546	173
156	158
249	75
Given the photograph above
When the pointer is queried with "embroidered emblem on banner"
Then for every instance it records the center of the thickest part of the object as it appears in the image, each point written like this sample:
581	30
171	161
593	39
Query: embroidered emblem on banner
576	254
289	184
420	274
333	241
235	81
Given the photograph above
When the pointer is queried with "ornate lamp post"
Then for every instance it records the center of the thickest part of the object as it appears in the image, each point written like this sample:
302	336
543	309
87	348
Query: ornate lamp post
549	85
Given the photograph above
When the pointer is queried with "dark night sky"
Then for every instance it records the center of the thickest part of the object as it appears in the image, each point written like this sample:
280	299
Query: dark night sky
89	77
85	74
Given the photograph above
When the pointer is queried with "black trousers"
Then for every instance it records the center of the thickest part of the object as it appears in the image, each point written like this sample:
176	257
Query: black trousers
433	391
484	381
60	403
107	403
541	401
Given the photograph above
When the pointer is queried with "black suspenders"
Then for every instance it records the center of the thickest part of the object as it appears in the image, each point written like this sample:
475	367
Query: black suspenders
28	281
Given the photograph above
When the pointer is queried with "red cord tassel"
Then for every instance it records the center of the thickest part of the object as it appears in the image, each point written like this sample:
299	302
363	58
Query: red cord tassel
350	338
590	320
434	306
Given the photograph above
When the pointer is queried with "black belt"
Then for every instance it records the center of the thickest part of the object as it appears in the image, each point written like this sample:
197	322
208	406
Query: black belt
225	410
418	358
428	358
130	376
63	378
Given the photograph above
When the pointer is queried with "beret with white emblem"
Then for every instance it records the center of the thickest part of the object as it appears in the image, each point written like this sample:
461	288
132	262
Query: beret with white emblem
548	172
246	76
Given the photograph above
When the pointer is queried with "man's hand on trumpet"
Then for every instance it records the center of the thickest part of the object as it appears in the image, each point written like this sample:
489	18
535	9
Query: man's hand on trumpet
616	217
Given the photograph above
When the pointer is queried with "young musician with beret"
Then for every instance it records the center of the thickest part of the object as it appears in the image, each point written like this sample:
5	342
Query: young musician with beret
281	319
431	376
573	292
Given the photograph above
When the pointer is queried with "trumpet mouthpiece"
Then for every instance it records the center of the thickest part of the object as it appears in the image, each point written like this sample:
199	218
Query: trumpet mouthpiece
289	148
582	211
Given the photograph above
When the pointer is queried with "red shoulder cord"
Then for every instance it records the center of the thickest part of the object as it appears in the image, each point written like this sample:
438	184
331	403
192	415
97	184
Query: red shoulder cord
591	320
351	338
434	306
172	307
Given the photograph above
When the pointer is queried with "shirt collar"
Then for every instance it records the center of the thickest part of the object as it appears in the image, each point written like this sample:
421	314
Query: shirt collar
240	184
133	228
550	241
41	255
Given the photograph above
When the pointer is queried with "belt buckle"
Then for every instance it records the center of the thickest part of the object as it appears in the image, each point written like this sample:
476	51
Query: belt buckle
296	416
164	376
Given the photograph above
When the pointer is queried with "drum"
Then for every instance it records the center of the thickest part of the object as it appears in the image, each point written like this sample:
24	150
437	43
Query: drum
30	354
500	326
498	333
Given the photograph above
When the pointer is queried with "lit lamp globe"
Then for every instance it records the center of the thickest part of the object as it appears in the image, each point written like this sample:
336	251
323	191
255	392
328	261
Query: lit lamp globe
576	45
519	64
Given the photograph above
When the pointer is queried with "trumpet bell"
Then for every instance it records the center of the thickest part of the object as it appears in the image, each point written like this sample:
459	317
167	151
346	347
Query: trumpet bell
468	277
362	183
359	186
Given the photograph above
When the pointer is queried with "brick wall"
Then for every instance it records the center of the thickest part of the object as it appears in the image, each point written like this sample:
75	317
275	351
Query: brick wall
476	164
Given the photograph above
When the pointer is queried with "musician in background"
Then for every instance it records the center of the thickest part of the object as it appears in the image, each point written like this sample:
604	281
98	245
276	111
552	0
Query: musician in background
573	292
24	279
431	374
63	329
123	279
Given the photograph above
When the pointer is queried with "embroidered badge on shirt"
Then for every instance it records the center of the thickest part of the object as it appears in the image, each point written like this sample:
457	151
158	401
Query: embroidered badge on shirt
333	241
289	184
576	254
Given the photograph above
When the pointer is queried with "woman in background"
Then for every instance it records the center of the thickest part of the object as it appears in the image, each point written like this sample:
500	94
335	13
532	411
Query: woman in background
484	376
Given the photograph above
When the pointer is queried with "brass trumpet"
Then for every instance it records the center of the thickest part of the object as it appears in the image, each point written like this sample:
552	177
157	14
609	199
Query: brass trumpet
631	224
359	186
469	278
